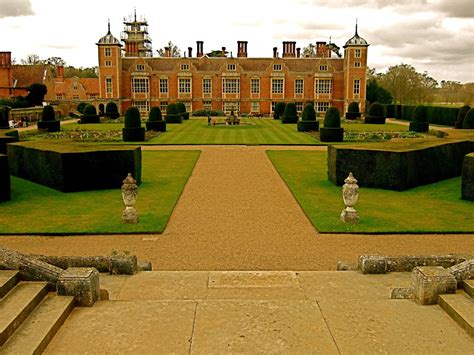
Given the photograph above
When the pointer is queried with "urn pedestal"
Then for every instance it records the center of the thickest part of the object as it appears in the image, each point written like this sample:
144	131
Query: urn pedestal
350	195
129	196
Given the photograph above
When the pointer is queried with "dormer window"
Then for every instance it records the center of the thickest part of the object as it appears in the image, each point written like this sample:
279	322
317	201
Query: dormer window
277	67
74	86
184	66
140	67
323	68
231	67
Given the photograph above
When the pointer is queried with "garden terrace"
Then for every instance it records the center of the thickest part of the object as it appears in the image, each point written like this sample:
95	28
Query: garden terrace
397	165
69	166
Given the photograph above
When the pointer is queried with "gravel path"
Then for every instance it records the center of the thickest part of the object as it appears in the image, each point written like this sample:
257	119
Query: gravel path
237	214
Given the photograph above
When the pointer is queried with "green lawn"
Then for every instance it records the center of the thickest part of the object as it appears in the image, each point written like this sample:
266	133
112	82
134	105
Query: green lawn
36	209
431	208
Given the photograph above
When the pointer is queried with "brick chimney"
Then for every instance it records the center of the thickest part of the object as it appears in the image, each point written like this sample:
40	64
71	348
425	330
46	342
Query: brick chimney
167	52
190	52
298	52
322	51
5	60
289	49
60	72
275	52
223	52
200	49
242	49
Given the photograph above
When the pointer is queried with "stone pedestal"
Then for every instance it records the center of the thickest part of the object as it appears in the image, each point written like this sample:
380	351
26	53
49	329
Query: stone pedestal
82	283
349	215
430	281
130	215
372	264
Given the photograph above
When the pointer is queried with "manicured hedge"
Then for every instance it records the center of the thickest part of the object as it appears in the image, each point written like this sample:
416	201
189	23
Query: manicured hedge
7	136
4	179
467	184
396	166
407	112
390	111
307	126
74	166
290	115
445	116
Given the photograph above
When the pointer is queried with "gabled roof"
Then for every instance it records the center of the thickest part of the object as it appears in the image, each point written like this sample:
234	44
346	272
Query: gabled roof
25	75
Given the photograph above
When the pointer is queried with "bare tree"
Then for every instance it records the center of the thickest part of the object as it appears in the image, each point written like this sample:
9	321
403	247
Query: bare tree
32	59
173	50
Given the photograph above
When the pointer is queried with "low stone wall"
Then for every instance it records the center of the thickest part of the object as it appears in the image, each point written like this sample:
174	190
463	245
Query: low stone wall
69	167
393	166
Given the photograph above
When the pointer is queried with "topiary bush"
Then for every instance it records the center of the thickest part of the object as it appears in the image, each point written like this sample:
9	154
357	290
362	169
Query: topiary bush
332	130
90	115
467	179
155	120
172	114
353	111
81	106
461	115
279	110
419	121
133	130
308	120
111	111
182	111
48	120
375	114
391	111
290	115
469	120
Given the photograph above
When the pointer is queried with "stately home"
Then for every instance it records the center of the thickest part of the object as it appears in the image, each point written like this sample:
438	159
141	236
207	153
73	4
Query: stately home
129	75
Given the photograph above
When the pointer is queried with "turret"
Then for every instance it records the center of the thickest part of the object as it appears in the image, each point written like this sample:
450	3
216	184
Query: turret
110	65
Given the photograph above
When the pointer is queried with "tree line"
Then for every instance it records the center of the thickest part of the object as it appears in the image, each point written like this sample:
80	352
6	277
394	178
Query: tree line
69	70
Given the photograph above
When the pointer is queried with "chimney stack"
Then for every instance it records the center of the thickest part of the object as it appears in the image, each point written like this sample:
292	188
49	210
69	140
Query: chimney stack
167	52
6	60
275	52
223	52
242	49
200	49
322	51
289	49
60	72
298	52
190	52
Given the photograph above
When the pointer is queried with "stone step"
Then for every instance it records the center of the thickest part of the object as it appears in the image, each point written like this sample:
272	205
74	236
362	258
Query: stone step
8	279
468	286
18	304
39	328
461	308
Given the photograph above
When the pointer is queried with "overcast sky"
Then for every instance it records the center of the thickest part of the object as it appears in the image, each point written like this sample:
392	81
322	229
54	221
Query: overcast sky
436	36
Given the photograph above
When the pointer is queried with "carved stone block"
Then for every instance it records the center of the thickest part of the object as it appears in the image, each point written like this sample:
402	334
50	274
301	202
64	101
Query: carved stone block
430	281
82	283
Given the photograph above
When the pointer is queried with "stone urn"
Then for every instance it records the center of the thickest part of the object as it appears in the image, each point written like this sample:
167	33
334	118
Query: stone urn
129	196
350	195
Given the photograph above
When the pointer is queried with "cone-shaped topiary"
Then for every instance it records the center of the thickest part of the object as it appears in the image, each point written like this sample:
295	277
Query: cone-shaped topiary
290	115
375	114
279	110
182	111
111	110
461	115
419	121
133	130
48	120
90	115
353	111
155	120
469	120
332	130
308	120
172	114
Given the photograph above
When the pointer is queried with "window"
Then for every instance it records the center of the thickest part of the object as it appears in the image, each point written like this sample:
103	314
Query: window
140	85
323	86
140	67
107	51
163	86
184	66
207	105
322	107
277	67
356	86
357	53
231	67
357	64
277	86
323	68
92	96
299	106
143	106
299	86
108	63
255	86
231	106
255	106
184	85
206	86
75	97
230	86
108	85
188	106
74	86
163	106
59	96
273	106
